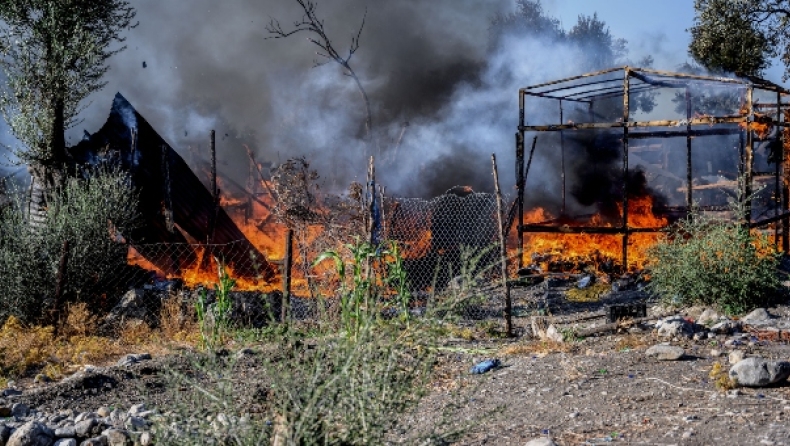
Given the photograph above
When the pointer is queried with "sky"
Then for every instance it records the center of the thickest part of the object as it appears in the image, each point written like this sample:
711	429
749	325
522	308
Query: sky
208	65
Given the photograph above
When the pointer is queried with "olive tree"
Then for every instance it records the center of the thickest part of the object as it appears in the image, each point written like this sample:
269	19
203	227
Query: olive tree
54	54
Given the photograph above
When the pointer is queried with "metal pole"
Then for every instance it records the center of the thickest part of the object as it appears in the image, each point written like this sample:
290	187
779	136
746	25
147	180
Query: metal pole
626	116
520	138
520	197
287	265
689	171
749	161
502	251
562	158
777	166
785	191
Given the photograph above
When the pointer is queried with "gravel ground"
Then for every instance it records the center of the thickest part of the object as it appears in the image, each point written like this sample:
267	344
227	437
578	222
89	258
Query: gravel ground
591	391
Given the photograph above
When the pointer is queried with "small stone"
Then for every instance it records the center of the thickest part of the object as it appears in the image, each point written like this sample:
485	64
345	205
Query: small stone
674	326
708	317
715	353
66	442
41	379
103	412
759	314
699	336
146	439
552	334
759	372
245	352
132	359
31	433
665	352
688	434
543	441
117	437
11	392
65	432
574	415
711	335
734	393
85	428
135	423
725	327
137	408
5	433
96	441
736	356
20	410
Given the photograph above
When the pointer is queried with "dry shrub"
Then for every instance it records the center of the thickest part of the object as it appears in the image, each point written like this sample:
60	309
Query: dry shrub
592	293
79	321
630	342
135	333
178	322
721	378
23	348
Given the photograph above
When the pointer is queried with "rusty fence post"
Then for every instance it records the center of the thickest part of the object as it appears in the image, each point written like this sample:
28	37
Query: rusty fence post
287	265
502	251
60	285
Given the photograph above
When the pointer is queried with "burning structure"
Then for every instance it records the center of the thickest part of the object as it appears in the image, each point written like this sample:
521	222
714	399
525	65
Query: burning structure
642	172
174	205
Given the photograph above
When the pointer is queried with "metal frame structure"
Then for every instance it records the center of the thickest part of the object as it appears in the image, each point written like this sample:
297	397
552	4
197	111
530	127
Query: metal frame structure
625	82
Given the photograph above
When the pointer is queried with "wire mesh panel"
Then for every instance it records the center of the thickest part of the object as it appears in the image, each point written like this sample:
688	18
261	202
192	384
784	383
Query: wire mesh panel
450	248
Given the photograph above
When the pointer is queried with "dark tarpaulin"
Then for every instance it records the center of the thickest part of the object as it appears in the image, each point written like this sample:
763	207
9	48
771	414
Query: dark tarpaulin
128	140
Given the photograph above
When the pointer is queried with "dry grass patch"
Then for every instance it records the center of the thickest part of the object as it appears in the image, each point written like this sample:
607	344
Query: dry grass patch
538	348
721	377
35	349
630	342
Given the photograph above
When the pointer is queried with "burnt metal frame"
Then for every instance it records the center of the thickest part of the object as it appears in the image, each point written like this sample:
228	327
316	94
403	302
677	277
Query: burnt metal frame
595	86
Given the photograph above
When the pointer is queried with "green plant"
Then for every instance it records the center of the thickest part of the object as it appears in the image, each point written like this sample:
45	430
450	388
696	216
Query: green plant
706	260
214	319
93	214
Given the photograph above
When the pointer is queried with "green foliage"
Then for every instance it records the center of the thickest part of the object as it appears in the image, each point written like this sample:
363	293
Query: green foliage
54	55
726	37
214	319
706	260
92	214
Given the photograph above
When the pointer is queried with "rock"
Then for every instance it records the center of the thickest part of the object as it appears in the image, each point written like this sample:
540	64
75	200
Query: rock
5	433
117	437
66	442
715	353
41	379
708	317
674	326
131	307
759	314
665	352
20	410
725	327
552	334
86	428
759	372
132	359
543	441
65	432
135	423
103	412
137	408
11	392
146	439
96	441
31	433
736	356
699	336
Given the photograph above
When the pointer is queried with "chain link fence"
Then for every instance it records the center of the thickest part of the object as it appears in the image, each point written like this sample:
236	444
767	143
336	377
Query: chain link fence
449	247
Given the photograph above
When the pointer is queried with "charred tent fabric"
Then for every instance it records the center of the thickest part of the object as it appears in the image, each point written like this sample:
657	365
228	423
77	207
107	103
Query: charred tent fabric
170	195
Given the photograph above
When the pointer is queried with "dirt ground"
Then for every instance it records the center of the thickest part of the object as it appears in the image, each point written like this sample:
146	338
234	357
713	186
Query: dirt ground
589	391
